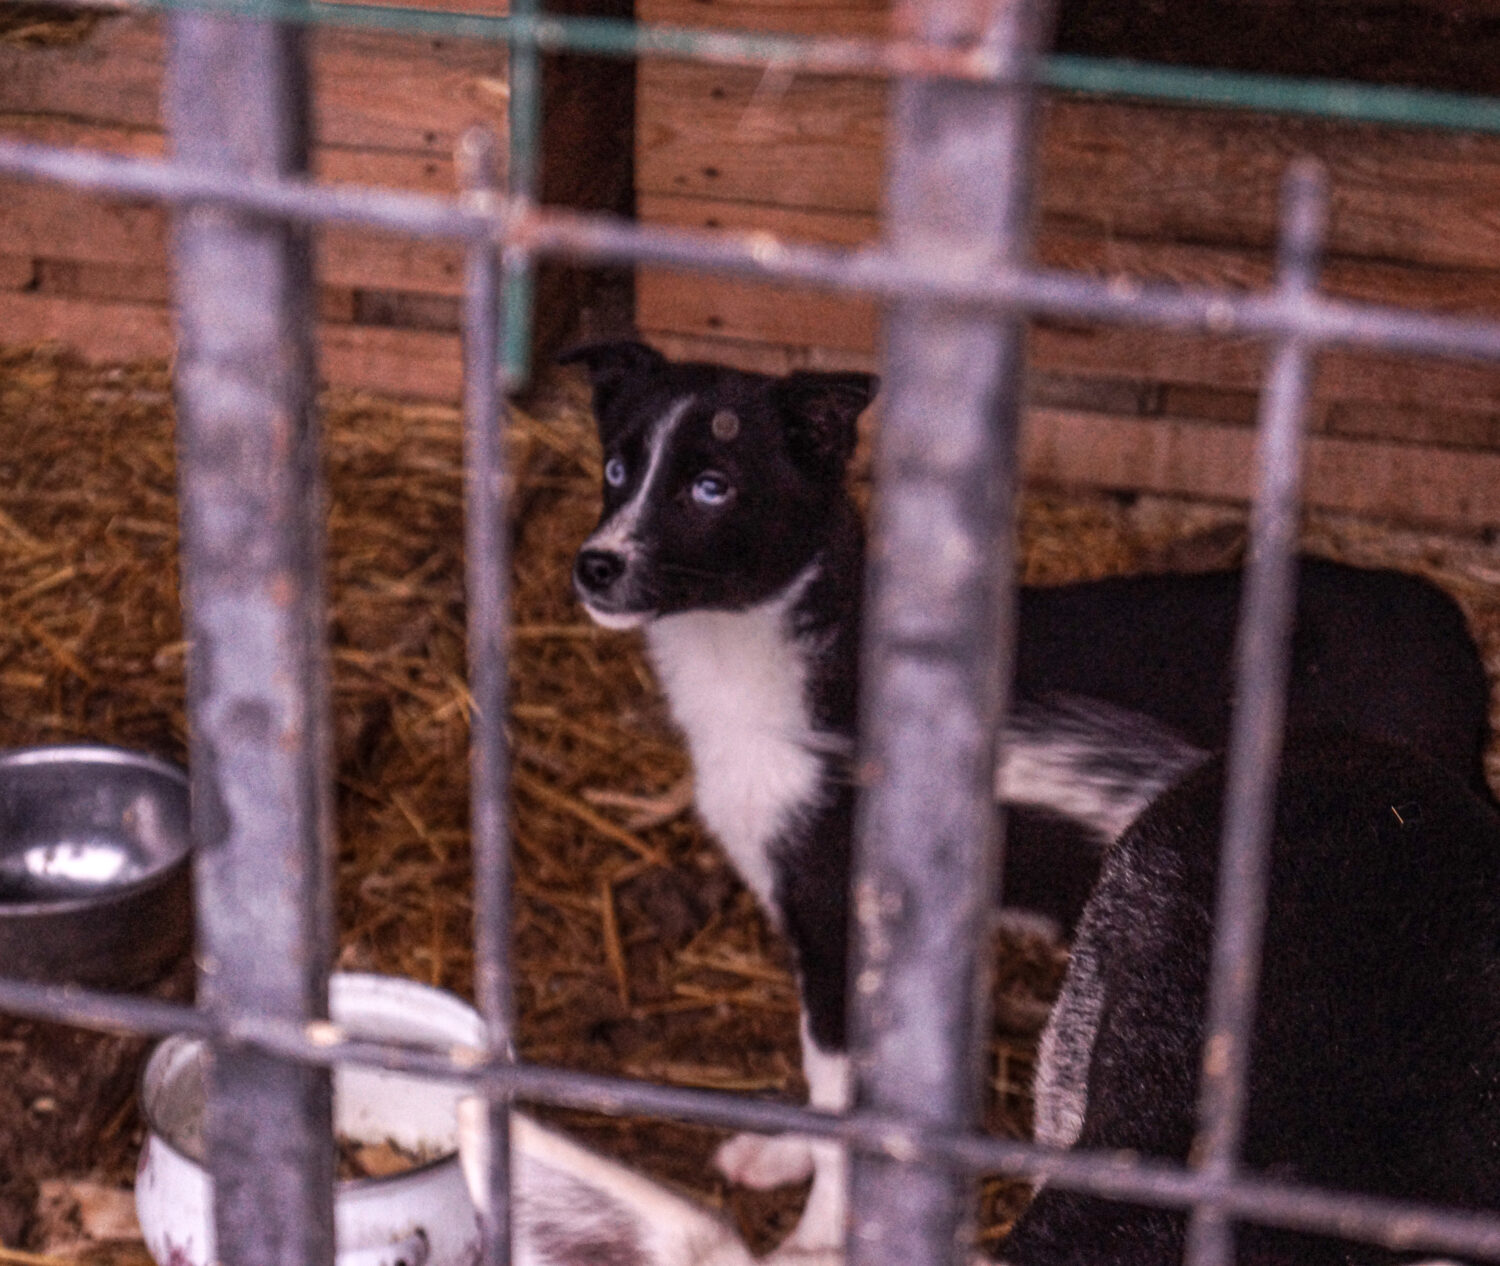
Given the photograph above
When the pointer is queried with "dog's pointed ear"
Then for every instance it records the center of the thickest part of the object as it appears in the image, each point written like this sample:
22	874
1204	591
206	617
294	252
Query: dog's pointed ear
821	412
613	366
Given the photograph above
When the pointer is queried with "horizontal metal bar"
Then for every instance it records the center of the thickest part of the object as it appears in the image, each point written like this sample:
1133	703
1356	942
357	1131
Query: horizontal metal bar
1114	1176
613	37
176	183
616	37
1038	292
108	1012
1272	94
600	239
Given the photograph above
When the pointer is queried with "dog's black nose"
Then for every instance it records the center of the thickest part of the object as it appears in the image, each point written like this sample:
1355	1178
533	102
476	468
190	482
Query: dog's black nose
598	569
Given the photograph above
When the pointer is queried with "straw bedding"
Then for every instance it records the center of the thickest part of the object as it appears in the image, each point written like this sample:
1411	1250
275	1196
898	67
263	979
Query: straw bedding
637	952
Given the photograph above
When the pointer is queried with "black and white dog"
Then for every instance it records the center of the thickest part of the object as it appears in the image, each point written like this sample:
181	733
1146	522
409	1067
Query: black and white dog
729	537
1375	1058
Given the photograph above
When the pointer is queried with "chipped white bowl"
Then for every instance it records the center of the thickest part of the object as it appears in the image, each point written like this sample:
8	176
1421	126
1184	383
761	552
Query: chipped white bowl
420	1217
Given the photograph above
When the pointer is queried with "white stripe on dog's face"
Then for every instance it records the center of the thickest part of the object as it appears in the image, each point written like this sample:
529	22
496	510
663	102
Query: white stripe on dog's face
617	534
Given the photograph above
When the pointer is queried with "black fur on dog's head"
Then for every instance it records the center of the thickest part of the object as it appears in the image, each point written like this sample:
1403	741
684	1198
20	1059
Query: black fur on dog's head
719	485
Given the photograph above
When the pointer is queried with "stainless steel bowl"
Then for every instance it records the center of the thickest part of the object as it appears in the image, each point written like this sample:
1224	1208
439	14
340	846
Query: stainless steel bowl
94	850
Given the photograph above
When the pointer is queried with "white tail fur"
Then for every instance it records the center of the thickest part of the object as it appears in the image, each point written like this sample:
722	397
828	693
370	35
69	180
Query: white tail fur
1088	760
574	1207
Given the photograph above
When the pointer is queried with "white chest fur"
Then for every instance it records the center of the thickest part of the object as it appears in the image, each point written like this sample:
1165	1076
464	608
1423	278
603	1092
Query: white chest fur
737	685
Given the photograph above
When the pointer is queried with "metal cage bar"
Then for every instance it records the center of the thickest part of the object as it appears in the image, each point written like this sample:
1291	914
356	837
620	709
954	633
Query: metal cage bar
937	653
1262	658
876	271
487	571
523	183
1393	1223
252	512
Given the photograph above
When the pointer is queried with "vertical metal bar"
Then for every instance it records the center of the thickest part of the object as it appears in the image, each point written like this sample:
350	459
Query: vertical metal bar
1262	666
938	652
486	572
252	510
517	293
523	181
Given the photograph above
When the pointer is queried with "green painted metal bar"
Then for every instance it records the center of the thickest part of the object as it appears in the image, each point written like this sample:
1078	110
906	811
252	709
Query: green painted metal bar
617	37
525	115
1274	94
518	269
517	292
1352	102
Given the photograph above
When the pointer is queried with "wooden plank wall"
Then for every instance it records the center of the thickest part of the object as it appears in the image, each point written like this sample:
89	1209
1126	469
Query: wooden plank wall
1127	189
388	110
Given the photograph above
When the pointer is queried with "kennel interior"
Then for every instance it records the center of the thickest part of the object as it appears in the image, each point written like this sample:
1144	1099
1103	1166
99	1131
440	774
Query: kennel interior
623	965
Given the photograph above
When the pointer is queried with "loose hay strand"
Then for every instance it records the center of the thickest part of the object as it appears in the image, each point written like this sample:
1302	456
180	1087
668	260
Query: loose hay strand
594	821
614	952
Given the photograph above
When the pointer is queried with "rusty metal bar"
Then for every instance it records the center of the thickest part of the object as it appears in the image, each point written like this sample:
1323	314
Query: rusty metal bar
486	569
938	646
602	239
1395	1224
252	534
1262	669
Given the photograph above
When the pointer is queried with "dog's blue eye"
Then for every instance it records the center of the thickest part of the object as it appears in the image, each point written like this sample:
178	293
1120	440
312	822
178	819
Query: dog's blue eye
614	472
711	490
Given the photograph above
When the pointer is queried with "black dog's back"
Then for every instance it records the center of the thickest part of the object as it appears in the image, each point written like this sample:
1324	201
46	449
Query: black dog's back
1375	652
1376	1057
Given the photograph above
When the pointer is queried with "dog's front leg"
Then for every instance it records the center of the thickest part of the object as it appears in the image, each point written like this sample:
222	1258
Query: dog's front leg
765	1161
825	1218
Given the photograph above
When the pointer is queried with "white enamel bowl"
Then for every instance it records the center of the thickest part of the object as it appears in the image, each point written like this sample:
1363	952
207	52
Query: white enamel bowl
420	1217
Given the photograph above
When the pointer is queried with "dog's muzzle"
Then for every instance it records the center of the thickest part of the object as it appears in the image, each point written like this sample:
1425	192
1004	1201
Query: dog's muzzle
596	571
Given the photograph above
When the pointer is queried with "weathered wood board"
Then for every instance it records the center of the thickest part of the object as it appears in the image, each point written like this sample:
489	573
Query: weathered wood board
1126	189
372	89
389	109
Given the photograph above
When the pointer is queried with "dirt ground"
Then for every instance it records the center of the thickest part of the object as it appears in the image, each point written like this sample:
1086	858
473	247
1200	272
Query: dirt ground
637	950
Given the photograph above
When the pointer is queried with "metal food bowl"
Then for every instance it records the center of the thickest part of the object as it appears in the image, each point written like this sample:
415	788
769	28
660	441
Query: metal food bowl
421	1216
94	880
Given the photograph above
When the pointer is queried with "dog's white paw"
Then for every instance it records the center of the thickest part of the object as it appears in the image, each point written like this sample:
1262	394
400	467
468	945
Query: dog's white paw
764	1161
825	1217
